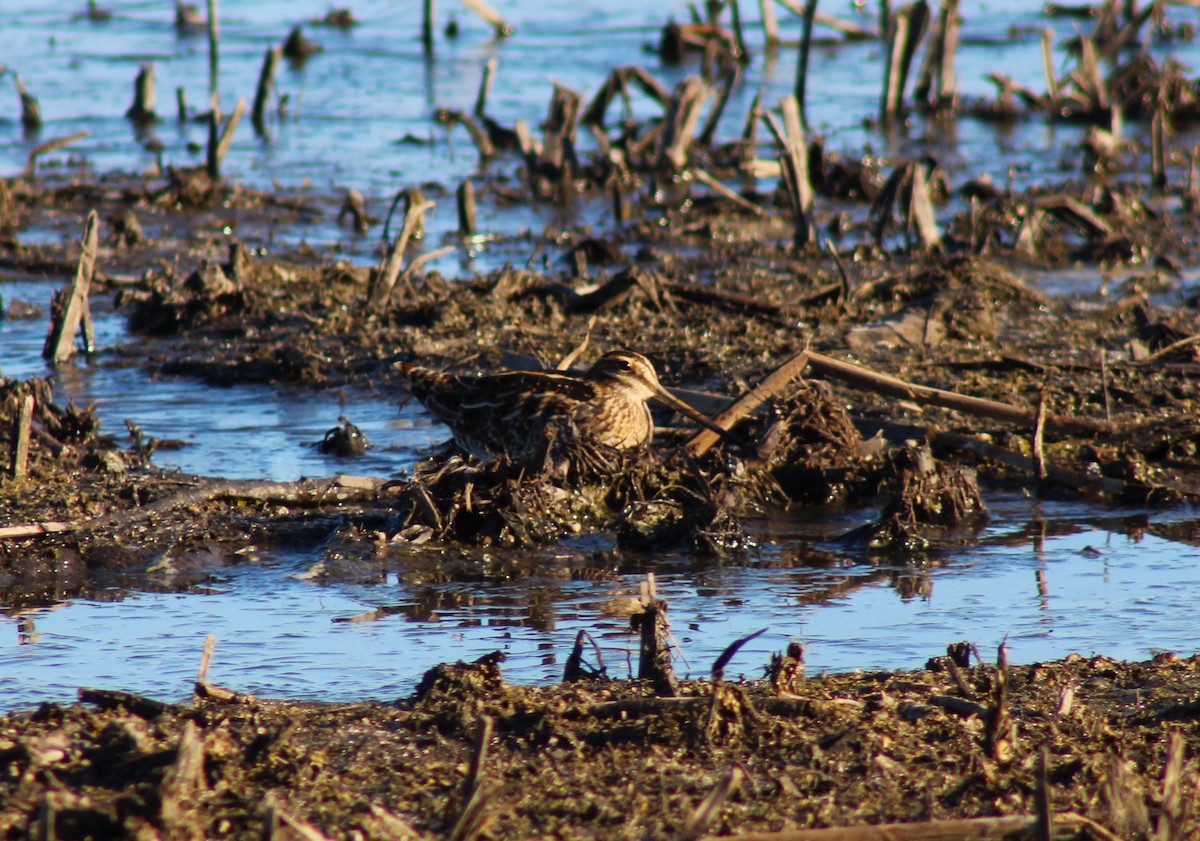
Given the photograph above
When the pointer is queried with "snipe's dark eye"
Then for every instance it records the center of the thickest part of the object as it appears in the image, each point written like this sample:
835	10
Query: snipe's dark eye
626	365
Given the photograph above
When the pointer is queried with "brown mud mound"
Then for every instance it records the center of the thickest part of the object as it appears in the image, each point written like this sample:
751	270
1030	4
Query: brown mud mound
1105	749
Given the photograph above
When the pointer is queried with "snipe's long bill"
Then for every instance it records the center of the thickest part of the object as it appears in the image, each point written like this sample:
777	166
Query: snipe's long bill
527	417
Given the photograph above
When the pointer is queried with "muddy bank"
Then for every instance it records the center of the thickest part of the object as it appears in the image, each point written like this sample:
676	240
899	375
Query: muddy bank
1095	738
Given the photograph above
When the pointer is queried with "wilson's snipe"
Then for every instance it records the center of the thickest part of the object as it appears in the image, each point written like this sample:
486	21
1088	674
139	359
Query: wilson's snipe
534	419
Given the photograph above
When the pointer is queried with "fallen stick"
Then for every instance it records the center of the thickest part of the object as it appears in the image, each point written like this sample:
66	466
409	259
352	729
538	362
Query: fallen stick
500	27
775	382
865	378
50	146
33	529
717	187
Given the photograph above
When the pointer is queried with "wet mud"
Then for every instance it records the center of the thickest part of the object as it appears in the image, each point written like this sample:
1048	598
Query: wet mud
888	363
1096	747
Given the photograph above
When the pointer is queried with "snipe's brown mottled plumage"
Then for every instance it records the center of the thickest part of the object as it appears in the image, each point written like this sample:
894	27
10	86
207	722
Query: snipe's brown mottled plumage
529	417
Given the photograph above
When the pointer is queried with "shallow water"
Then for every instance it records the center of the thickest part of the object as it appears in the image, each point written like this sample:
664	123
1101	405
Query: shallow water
1051	578
1092	585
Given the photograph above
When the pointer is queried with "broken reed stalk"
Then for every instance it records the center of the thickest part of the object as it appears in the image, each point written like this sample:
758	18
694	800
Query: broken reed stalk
739	38
920	210
710	807
206	656
144	96
386	276
1158	158
20	456
50	146
1039	439
683	115
810	11
31	112
654	655
795	169
181	105
266	82
906	27
219	142
1048	65
1170	816
71	305
1045	811
427	17
472	818
466	208
770	24
485	86
500	27
729	81
716	186
214	43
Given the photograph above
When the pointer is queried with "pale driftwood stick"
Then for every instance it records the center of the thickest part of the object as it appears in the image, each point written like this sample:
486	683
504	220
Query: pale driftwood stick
485	86
713	184
33	530
1066	825
144	96
710	807
775	382
62	332
214	43
226	140
20	461
50	146
491	16
865	378
266	81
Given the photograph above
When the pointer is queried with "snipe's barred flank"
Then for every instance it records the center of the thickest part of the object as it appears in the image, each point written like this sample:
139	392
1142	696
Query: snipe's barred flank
535	418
